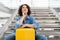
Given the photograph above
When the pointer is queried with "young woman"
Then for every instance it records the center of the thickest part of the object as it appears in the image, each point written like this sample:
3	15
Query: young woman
25	20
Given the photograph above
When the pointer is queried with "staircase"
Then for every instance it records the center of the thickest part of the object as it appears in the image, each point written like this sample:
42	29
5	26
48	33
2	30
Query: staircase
46	18
49	23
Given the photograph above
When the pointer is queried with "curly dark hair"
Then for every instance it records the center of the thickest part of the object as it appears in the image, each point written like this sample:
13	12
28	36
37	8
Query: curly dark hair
20	9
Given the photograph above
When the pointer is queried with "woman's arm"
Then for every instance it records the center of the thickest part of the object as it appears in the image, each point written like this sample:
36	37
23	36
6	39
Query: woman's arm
19	22
34	24
28	25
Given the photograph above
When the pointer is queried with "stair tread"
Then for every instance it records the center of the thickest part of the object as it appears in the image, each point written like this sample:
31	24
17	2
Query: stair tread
42	12
50	21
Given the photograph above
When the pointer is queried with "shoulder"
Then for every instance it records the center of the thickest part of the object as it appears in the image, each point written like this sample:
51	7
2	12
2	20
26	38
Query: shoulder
18	18
31	17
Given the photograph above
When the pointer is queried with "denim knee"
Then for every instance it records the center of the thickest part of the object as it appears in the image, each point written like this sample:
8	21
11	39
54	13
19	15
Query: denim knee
9	37
40	37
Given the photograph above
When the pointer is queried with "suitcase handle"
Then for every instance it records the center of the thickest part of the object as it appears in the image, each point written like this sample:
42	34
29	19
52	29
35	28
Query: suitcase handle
27	27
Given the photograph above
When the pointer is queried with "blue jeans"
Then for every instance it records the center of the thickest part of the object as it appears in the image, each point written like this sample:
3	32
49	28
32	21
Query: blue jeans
12	37
40	37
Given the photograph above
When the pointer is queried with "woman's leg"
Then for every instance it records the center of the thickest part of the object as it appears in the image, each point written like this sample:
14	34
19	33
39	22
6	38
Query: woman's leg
9	37
40	37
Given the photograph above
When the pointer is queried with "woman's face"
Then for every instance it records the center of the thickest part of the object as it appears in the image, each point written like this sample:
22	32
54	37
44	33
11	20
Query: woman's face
24	9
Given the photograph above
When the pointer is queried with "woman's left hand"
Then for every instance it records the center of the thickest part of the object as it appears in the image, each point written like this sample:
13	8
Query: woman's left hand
28	25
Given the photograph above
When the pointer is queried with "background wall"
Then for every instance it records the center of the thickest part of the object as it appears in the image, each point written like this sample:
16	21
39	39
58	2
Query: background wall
54	3
13	4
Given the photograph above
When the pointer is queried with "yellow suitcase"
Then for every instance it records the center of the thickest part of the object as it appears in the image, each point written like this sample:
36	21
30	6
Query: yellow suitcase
25	34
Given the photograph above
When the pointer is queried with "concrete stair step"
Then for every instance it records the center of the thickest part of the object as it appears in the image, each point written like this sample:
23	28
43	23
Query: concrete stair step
8	32
49	32
49	26
42	18
50	21
42	13
11	26
57	21
53	28
13	21
43	10
54	38
39	8
46	18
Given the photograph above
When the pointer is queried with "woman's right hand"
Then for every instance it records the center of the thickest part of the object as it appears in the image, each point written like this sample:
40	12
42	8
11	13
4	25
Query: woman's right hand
23	18
24	15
